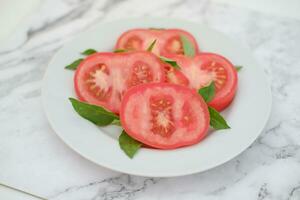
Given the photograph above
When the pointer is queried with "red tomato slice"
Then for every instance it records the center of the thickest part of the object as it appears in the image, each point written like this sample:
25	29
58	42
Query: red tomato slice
167	40
207	67
164	116
175	76
102	78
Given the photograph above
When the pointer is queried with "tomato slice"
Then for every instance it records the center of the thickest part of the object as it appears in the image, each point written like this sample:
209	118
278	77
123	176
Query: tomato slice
207	67
167	40
164	116
102	78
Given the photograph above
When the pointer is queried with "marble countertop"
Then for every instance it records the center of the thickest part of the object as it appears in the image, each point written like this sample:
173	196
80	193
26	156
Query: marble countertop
34	159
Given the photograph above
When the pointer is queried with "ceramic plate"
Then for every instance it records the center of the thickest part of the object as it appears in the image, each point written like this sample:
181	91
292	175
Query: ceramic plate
247	115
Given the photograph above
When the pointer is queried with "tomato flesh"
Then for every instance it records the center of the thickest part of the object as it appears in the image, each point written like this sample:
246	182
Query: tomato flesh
102	78
94	80
207	67
133	43
164	116
174	46
172	43
175	76
167	40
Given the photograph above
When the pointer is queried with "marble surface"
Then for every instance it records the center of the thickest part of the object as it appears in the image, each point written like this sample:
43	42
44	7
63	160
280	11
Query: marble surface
34	159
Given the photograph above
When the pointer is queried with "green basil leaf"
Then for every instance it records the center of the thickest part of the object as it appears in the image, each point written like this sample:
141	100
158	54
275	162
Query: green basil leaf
89	52
238	68
120	50
188	48
151	46
208	92
129	145
216	120
93	113
116	122
74	65
173	63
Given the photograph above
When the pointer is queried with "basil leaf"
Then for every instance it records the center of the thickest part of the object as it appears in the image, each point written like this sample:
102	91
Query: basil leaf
120	50
173	63
89	52
151	46
208	92
129	145
93	113
74	65
238	68
116	122
216	120
188	48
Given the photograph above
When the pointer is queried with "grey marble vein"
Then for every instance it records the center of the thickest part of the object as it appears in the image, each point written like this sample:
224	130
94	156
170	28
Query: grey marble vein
120	187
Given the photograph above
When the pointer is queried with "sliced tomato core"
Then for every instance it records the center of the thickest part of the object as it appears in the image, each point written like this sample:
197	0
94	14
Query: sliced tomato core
96	82
141	73
161	111
133	43
174	45
218	73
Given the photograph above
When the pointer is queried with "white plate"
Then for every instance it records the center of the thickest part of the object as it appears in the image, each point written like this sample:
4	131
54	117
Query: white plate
247	115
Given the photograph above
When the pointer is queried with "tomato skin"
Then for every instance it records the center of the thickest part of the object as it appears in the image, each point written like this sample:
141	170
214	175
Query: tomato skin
102	78
184	135
200	74
163	39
